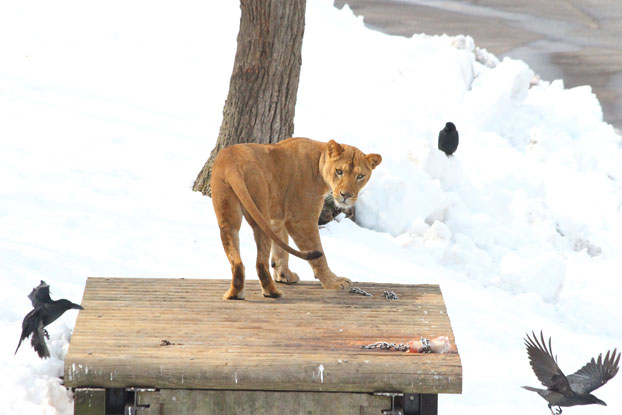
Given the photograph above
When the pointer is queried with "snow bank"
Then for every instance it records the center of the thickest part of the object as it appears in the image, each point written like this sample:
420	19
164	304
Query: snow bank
108	112
535	178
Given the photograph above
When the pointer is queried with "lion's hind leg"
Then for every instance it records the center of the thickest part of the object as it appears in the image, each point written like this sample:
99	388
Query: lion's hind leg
280	258
268	286
263	241
229	215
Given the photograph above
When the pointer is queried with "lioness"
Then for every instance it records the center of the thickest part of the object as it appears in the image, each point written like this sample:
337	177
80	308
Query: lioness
280	188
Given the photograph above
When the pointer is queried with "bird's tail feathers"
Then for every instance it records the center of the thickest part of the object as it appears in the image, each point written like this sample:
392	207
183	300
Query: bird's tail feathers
19	344
529	388
38	343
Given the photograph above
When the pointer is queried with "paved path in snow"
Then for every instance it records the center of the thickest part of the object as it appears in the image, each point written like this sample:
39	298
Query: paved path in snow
579	41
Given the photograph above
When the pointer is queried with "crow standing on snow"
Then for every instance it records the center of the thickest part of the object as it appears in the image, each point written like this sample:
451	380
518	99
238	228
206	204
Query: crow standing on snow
569	390
45	312
448	139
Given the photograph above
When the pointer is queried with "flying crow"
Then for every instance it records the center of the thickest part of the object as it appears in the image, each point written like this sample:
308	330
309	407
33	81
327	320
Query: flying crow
448	139
45	311
562	390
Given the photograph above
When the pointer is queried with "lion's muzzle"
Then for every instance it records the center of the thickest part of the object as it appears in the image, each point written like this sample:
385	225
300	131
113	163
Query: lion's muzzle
344	200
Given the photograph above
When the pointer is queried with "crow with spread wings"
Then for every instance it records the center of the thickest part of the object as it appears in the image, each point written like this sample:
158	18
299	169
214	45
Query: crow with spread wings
562	390
45	311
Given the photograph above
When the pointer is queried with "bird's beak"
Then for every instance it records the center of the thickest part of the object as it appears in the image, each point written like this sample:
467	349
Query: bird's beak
601	402
77	307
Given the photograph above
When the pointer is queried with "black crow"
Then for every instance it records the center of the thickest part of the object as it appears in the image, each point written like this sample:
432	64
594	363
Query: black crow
448	139
562	390
45	312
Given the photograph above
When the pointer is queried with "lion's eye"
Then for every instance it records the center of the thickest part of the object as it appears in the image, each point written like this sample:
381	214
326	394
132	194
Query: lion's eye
360	177
339	172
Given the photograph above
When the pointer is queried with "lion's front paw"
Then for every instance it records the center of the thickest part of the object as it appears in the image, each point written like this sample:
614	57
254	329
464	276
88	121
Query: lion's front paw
233	294
337	283
284	275
273	294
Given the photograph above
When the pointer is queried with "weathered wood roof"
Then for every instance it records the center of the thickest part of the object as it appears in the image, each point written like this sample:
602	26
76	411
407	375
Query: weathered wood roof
179	333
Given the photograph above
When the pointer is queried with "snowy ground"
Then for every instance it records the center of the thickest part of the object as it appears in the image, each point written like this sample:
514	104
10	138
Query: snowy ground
108	111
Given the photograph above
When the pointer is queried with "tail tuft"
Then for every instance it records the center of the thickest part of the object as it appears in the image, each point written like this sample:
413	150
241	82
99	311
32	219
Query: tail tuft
313	255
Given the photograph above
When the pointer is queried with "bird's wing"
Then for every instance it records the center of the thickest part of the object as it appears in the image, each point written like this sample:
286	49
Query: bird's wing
40	294
544	364
38	341
29	324
595	374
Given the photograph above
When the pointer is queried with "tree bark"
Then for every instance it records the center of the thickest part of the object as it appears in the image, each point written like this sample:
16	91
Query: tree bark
261	102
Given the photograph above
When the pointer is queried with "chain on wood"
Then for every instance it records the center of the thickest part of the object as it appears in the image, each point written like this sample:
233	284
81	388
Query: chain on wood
357	290
390	295
387	346
426	346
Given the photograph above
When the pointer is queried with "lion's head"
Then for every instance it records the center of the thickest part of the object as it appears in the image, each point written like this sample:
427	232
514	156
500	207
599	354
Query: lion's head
346	170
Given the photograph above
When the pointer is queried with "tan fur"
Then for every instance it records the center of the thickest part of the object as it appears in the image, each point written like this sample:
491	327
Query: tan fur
279	189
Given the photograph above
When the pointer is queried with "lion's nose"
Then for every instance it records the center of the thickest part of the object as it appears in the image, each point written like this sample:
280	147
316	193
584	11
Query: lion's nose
345	196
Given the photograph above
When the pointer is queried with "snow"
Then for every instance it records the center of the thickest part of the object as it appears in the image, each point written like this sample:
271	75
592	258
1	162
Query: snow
108	112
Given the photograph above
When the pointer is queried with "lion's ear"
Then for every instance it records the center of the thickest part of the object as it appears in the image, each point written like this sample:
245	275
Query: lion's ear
334	149
374	159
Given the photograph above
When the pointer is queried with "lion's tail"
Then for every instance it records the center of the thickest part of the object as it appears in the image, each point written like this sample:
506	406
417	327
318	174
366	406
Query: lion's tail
237	184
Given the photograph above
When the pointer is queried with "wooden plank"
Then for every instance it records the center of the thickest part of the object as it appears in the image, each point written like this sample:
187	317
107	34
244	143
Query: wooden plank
179	333
203	402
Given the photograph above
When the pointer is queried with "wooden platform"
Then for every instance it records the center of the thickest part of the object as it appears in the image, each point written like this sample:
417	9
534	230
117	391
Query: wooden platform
180	334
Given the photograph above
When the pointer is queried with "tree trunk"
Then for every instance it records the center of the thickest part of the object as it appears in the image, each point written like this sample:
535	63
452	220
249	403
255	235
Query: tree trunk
264	82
